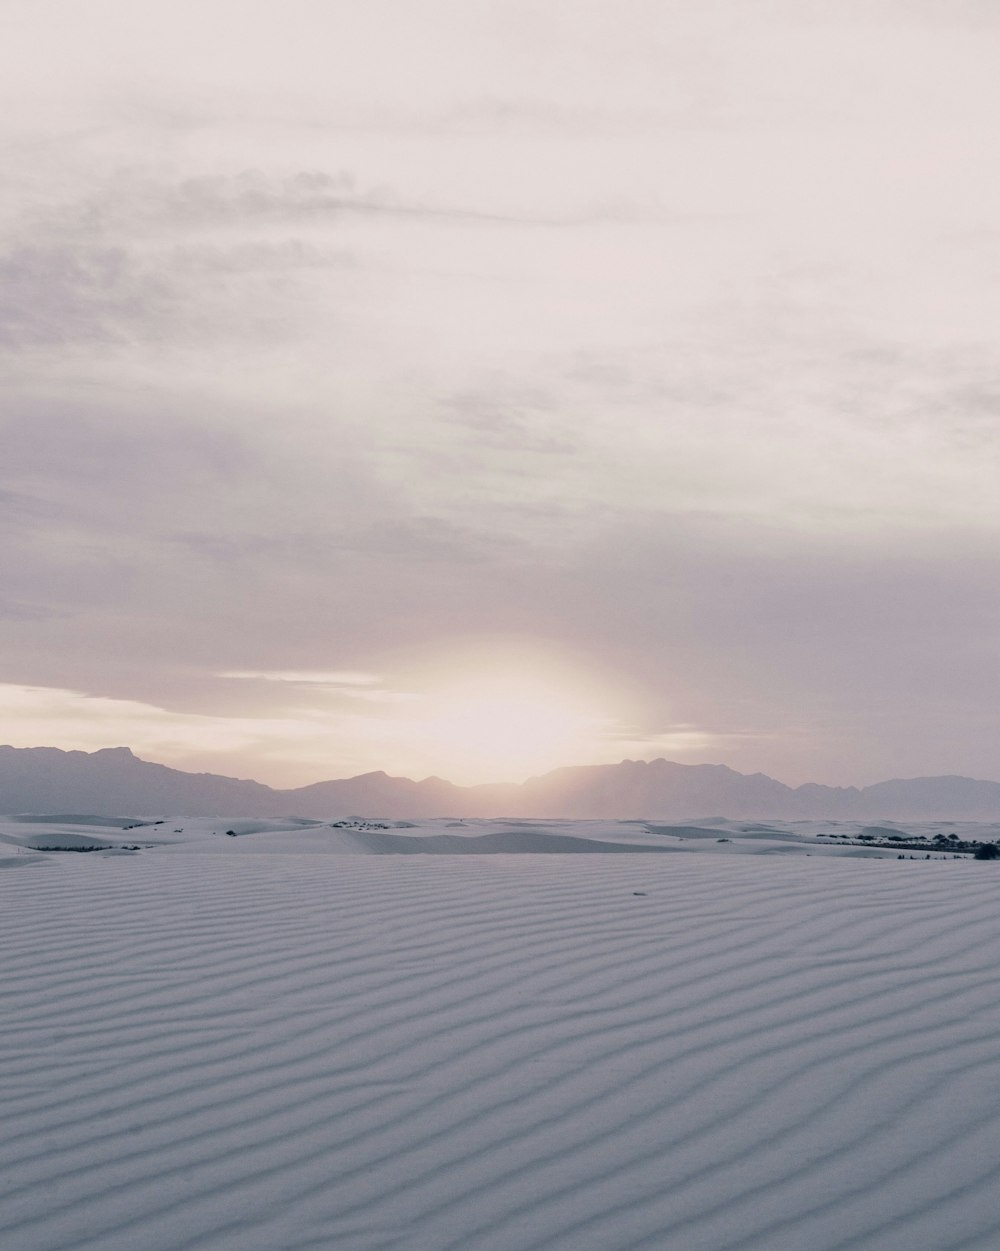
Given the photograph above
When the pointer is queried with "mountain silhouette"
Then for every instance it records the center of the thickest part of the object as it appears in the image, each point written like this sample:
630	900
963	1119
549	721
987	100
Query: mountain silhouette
113	782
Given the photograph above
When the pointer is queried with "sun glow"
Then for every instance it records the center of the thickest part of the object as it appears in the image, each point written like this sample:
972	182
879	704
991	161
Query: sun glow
308	726
506	730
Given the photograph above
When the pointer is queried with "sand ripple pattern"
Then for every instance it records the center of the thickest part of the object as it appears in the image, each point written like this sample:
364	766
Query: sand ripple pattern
499	1053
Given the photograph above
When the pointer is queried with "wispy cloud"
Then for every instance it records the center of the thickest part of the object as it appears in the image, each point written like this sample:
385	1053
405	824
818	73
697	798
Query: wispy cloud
307	677
368	687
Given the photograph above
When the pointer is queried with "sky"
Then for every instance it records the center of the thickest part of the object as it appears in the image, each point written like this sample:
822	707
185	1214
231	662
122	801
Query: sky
473	387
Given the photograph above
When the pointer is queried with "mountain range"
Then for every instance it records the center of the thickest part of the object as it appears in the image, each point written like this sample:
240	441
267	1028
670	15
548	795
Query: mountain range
114	782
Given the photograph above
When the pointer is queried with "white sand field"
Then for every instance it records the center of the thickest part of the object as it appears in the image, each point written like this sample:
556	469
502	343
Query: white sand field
296	1039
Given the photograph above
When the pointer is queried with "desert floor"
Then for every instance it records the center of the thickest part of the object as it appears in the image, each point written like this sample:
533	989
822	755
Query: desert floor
292	1038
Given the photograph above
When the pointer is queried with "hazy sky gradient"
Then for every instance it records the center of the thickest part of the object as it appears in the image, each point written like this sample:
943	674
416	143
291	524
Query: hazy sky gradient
374	371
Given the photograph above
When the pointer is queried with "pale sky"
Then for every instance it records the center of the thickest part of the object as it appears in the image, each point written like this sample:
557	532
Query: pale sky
472	387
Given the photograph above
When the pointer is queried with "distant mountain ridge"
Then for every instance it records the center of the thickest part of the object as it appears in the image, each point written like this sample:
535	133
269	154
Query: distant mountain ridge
113	782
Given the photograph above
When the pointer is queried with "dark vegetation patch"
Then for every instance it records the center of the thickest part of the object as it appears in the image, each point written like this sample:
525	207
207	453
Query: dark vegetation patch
940	846
84	847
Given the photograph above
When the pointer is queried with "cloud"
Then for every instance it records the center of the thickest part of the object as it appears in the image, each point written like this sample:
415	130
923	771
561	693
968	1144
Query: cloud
501	416
342	683
144	260
46	714
306	677
61	294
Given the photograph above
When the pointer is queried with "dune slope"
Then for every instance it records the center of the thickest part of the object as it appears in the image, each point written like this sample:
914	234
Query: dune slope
509	1053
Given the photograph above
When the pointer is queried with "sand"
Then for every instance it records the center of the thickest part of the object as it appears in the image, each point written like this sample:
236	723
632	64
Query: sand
279	1041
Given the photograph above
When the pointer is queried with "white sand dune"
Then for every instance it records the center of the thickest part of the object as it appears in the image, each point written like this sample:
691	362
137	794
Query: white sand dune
295	1051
